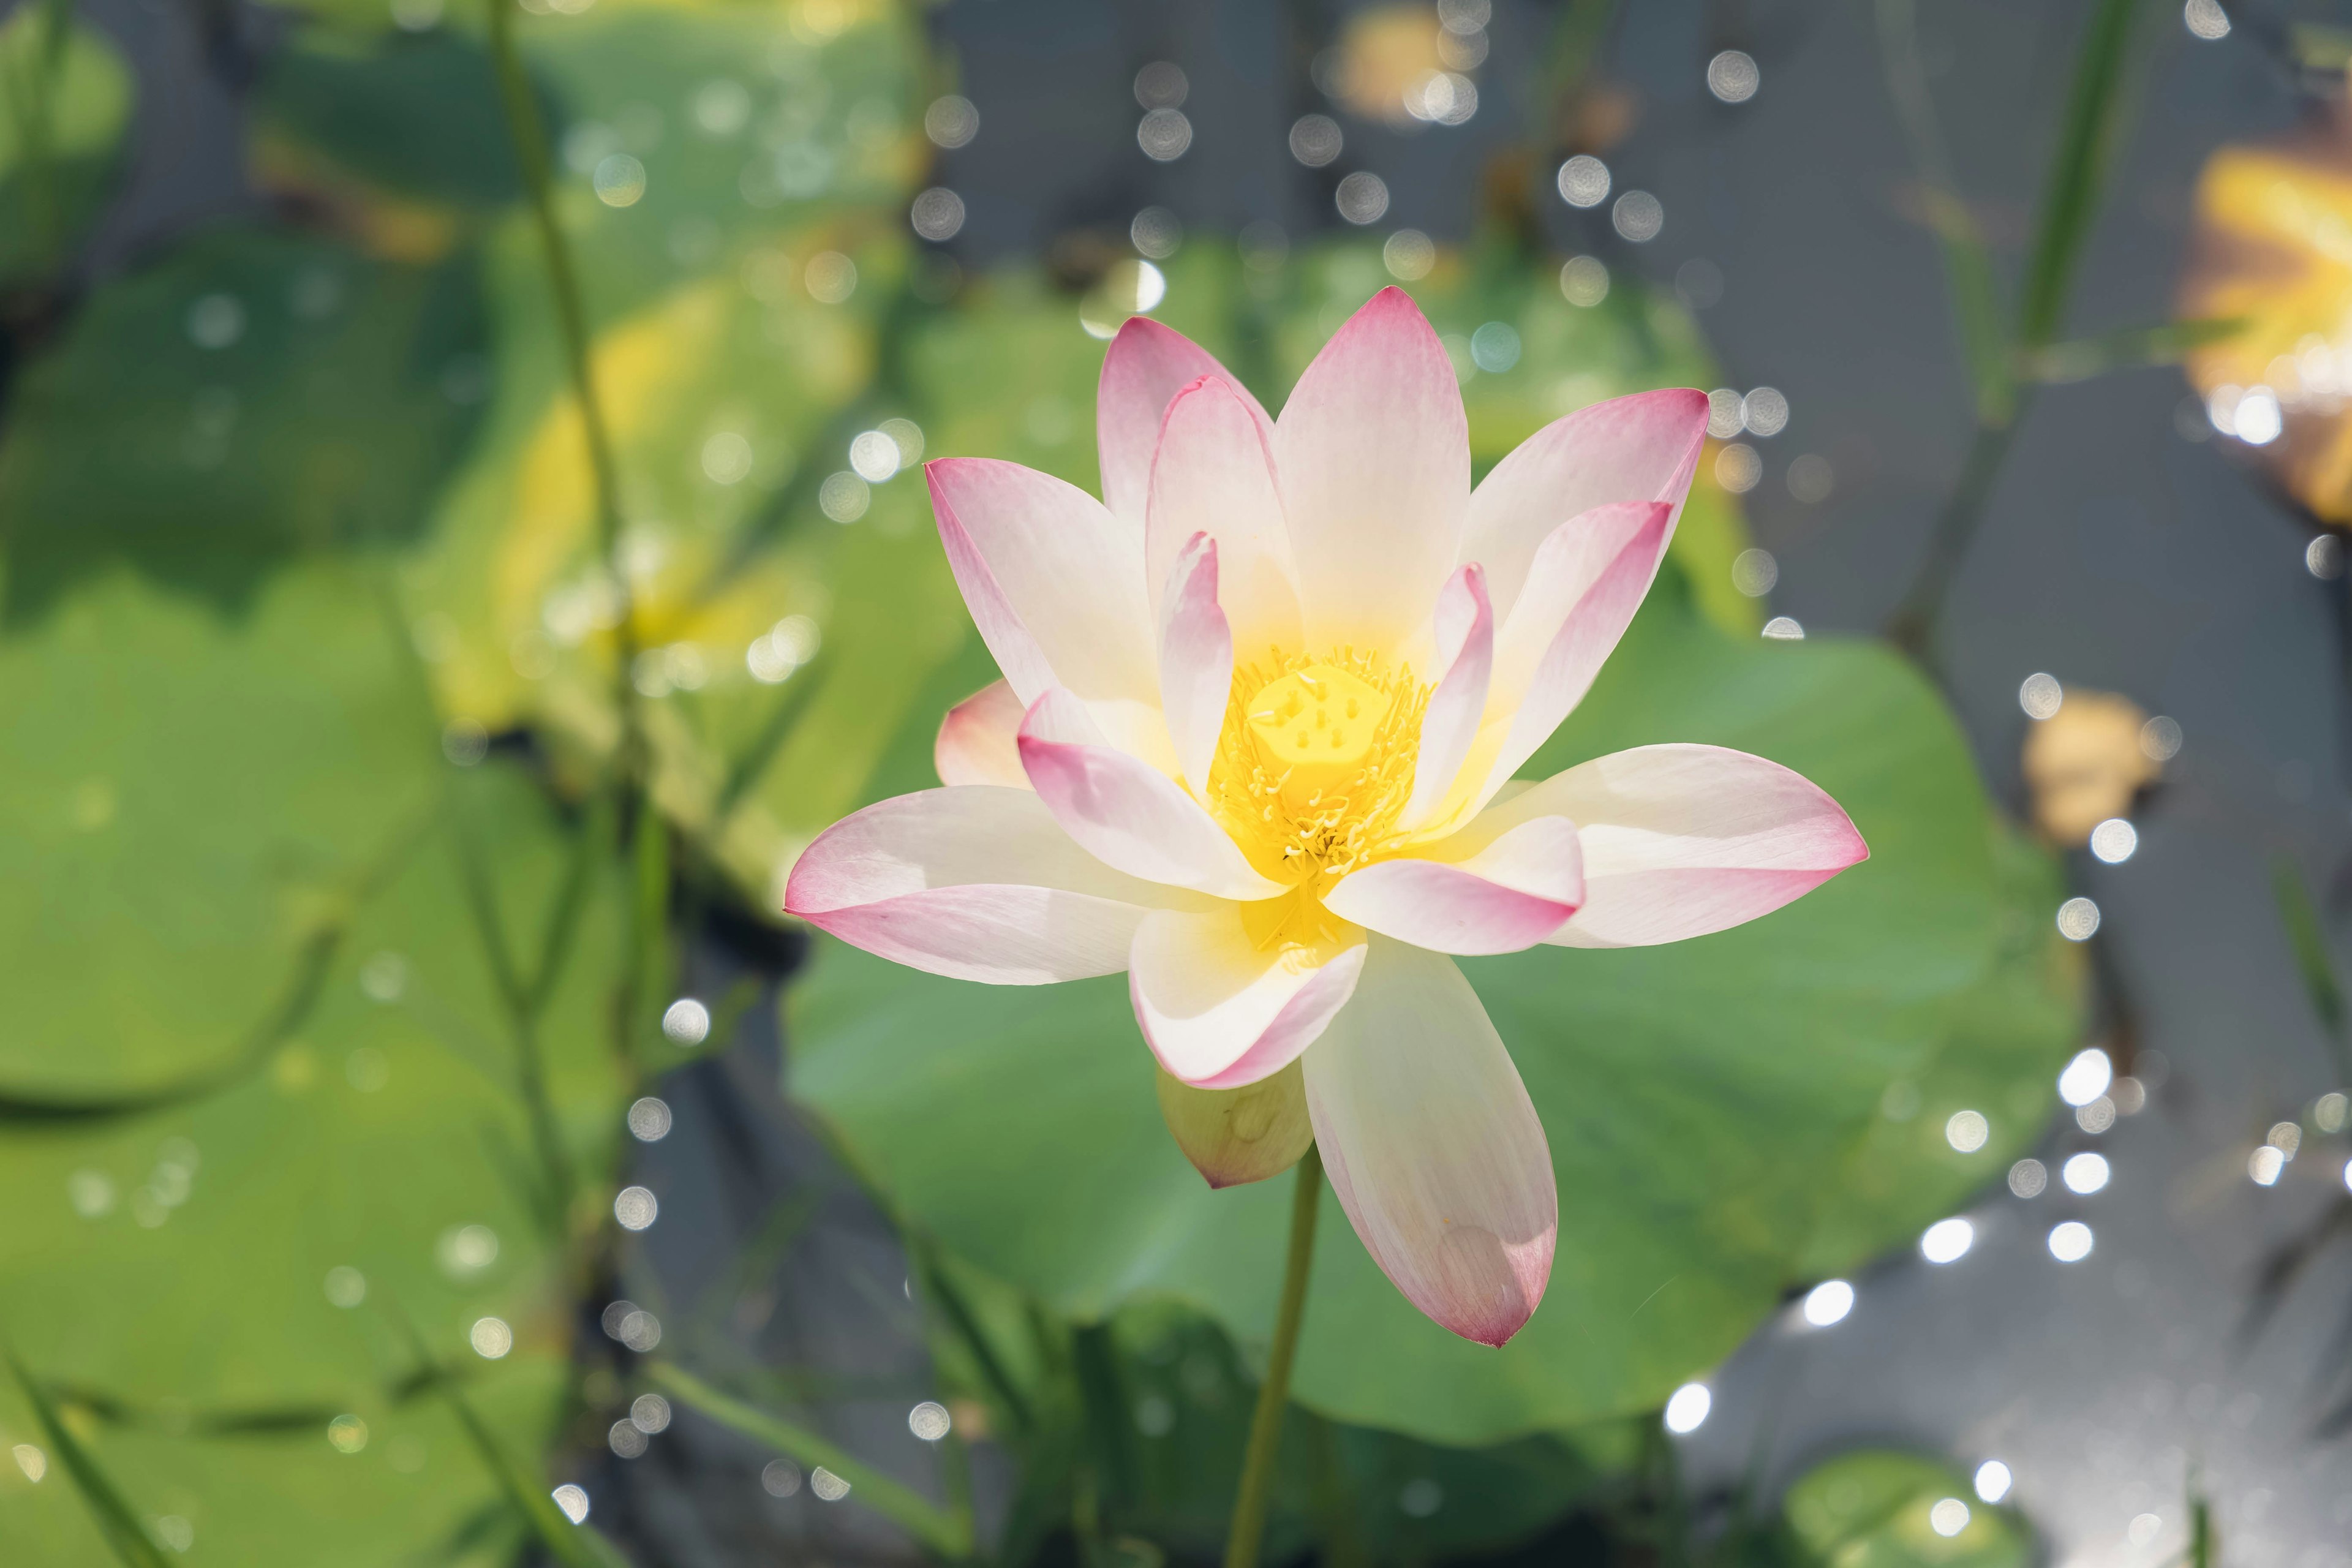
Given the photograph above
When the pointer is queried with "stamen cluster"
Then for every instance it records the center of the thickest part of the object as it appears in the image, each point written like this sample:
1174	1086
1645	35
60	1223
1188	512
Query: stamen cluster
1309	823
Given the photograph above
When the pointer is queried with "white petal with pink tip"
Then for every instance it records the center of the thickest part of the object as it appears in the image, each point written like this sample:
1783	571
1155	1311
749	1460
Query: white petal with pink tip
1220	1011
1213	474
1500	896
1432	1145
1147	366
975	883
1373	453
1642	448
1682	841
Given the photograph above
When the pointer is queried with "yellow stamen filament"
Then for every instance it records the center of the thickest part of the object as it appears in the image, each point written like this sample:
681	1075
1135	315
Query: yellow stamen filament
1313	769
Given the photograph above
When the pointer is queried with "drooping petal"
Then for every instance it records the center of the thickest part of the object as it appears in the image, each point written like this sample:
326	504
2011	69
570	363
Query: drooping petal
1465	652
979	739
1213	473
1374	454
1147	365
1196	660
1581	592
1469	896
1432	1145
1218	1011
974	883
1056	586
1680	841
1238	1135
1642	448
1125	813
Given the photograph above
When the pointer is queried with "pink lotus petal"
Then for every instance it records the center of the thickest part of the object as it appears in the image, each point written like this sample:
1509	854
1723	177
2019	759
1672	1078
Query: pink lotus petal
1147	365
1213	473
1472	893
1642	448
1054	582
1218	1011
1581	592
1196	660
974	883
1374	454
979	739
1680	841
1432	1145
1466	651
1125	813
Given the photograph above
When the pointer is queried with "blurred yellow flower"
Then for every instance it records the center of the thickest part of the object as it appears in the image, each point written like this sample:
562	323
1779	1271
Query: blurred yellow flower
2084	763
1403	64
2273	249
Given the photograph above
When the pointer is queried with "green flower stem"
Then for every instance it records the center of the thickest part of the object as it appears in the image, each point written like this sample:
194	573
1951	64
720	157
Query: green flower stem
1273	1394
945	1531
530	137
2078	175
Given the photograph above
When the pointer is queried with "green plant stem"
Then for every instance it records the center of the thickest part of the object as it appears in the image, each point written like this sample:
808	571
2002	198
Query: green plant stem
523	1006
574	1545
1967	265
944	1530
116	1518
528	134
2071	198
2078	172
1274	1394
1912	627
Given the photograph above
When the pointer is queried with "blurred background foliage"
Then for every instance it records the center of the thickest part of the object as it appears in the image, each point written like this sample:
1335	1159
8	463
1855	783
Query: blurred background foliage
365	803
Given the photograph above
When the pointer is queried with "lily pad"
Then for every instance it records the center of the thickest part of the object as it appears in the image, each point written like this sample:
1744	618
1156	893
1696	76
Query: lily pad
207	1285
255	396
190	804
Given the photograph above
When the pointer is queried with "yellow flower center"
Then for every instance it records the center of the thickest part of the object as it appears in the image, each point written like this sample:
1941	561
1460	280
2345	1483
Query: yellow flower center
1313	769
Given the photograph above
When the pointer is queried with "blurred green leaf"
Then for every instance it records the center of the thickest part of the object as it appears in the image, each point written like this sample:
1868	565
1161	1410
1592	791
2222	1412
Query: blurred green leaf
67	104
2078	172
181	1262
252	397
411	114
2000	1057
1877	1508
192	809
2083	358
2307	940
1703	1100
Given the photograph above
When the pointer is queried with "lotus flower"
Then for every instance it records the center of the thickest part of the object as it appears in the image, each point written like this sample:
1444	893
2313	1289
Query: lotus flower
1254	746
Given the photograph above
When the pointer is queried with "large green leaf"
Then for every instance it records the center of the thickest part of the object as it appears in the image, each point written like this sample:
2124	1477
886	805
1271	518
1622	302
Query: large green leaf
168	1273
253	396
1702	1099
1998	1057
413	115
190	804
